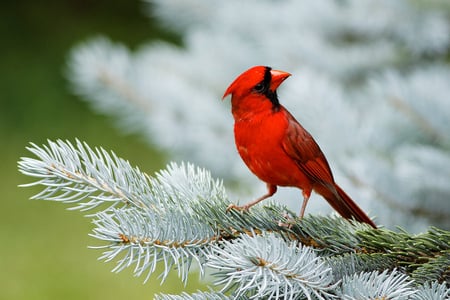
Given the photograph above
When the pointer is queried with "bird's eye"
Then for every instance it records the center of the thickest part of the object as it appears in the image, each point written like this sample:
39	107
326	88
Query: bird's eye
259	88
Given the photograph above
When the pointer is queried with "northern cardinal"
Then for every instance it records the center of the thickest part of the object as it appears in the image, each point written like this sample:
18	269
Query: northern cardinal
276	148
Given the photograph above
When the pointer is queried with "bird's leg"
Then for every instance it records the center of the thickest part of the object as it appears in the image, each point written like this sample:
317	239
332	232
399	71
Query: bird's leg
306	195
289	222
271	189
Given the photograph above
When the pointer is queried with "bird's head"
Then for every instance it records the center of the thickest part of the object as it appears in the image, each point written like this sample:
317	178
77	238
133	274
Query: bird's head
256	87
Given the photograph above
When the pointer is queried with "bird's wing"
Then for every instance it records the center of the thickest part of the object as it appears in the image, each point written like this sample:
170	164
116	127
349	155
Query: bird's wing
304	150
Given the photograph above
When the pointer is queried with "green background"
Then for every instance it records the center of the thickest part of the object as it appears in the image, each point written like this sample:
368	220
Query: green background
43	253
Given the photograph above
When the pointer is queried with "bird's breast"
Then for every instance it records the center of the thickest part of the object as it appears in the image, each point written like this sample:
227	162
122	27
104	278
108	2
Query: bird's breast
259	143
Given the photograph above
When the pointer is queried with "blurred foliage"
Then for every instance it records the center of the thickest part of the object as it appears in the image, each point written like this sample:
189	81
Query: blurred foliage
44	253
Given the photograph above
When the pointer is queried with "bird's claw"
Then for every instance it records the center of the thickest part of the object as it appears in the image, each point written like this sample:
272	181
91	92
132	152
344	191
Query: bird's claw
243	208
289	222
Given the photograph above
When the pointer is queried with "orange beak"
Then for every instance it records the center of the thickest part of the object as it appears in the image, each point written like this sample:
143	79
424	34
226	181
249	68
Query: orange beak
277	78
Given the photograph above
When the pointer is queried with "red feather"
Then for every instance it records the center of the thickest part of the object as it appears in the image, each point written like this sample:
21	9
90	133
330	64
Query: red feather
276	148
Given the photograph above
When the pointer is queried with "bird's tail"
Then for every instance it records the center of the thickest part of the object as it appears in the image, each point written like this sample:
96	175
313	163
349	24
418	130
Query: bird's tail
344	205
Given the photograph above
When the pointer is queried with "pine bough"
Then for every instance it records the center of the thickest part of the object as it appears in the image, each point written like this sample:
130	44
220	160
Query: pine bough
178	217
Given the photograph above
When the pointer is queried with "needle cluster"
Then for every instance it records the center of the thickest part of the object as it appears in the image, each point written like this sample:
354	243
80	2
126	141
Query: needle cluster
177	218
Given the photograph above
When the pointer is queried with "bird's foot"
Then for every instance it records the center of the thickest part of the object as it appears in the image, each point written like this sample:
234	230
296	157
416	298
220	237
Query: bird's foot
288	223
243	208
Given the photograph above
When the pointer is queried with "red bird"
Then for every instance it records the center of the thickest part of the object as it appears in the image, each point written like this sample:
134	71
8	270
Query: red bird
276	148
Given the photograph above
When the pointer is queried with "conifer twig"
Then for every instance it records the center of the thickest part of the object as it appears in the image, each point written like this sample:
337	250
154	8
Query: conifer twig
179	217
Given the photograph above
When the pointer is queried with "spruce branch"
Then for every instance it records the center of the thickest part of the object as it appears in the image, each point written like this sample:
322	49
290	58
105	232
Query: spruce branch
265	266
425	256
84	177
146	220
331	233
374	285
434	269
432	291
348	264
420	121
196	296
110	71
178	217
146	238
